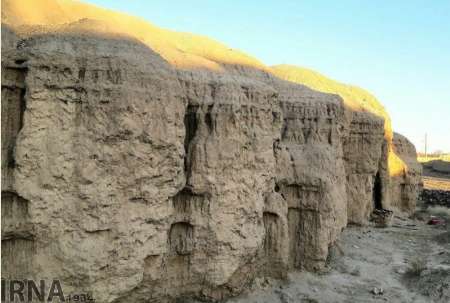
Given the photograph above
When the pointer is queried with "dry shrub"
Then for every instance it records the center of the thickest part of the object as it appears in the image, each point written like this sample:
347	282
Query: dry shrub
416	266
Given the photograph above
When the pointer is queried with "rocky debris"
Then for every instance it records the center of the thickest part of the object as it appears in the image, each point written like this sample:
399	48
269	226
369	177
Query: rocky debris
435	197
128	177
377	291
382	217
434	284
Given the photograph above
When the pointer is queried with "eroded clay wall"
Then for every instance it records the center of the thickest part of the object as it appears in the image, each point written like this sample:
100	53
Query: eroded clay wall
406	184
365	157
309	172
134	180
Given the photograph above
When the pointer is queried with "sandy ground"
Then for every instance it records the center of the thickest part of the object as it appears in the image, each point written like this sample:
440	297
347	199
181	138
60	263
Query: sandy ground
409	261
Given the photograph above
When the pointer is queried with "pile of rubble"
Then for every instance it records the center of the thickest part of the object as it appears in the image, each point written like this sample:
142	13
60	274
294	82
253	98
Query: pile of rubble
436	197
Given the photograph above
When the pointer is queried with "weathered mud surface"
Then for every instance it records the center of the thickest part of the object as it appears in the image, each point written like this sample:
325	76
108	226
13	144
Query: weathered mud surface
129	177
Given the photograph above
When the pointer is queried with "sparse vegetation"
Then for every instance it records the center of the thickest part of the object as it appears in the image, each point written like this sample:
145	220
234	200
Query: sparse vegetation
416	266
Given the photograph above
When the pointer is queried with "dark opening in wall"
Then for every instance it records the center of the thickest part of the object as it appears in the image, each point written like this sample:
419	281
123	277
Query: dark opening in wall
208	119
190	124
17	109
277	188
22	106
377	192
284	129
13	109
20	61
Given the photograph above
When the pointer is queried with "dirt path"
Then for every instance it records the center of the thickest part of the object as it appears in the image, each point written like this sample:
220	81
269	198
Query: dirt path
409	261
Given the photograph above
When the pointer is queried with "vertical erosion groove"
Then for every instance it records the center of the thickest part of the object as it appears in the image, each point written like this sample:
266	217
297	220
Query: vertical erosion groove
272	235
208	119
13	109
181	238
294	237
188	202
22	105
17	240
191	125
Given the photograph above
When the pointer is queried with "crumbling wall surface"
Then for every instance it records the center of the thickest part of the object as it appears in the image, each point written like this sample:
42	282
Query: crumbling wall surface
365	158
310	172
92	155
227	225
140	182
405	186
132	180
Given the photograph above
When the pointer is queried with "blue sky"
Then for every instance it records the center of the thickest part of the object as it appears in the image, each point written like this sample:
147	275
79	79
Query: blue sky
398	50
